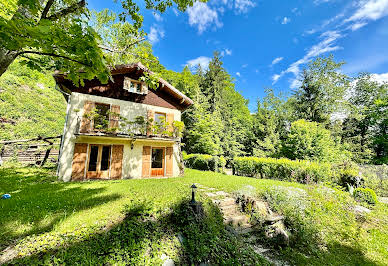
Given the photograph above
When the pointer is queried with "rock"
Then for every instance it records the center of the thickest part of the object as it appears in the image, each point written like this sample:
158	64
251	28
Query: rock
358	209
277	233
168	262
273	219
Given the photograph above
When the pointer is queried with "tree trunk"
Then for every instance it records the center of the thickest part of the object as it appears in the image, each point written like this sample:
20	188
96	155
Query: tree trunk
6	58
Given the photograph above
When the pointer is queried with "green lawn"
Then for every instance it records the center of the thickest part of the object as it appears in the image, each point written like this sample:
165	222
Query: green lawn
136	221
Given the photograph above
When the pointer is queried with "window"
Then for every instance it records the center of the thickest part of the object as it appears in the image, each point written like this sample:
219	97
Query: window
134	86
101	121
157	158
99	158
160	118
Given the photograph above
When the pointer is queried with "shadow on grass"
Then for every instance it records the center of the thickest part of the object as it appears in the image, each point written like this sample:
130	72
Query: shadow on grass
142	239
38	202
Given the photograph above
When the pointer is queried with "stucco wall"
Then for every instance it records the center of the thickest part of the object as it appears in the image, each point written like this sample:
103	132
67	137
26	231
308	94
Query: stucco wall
132	158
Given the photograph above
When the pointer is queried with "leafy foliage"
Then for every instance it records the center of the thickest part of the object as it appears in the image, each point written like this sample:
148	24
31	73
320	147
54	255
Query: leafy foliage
284	169
311	141
365	195
204	162
30	106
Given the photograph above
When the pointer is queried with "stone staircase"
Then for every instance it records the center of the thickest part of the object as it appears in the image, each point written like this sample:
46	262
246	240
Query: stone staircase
238	222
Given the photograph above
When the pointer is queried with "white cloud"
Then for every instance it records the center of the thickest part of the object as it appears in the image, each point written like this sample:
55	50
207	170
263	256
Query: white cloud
312	31
370	10
380	78
202	60
226	51
156	33
244	65
202	16
176	12
157	16
276	60
357	25
285	20
238	74
324	46
295	83
275	78
243	6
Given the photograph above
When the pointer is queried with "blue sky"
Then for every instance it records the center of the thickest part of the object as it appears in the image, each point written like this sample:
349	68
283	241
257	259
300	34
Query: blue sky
267	43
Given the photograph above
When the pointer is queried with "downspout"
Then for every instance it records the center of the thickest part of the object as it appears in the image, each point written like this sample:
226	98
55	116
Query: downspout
64	127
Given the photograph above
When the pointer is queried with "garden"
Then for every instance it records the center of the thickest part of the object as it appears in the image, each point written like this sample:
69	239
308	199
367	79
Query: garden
146	221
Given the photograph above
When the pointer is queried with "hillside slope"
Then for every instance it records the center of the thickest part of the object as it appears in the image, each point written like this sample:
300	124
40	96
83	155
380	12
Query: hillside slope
29	104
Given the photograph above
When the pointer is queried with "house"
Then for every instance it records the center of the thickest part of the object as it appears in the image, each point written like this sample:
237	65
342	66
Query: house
122	129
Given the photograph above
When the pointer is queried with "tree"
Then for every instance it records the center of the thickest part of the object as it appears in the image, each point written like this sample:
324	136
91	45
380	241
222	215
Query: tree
322	91
311	141
58	32
365	128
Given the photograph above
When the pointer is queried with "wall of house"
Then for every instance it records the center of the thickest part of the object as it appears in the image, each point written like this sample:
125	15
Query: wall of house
132	160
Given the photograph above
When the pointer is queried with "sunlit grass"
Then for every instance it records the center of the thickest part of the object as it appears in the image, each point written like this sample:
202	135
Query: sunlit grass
49	213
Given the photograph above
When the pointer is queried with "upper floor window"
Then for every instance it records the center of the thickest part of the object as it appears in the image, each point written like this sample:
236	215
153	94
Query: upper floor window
160	118
101	120
134	86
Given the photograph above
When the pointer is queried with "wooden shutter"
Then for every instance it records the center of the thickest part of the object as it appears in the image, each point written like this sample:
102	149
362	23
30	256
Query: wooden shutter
114	118
169	161
150	117
146	161
117	162
79	161
87	124
170	120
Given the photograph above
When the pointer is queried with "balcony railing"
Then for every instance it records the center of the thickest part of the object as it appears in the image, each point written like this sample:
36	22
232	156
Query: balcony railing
139	128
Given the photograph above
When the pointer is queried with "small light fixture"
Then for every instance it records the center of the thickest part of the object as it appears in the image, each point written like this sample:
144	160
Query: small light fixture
131	145
193	189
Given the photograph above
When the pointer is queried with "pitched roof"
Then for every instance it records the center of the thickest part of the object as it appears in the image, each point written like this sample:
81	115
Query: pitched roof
123	69
164	85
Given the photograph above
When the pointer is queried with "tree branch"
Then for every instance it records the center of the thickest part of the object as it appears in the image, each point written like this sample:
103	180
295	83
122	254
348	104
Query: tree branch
113	50
54	55
47	9
67	10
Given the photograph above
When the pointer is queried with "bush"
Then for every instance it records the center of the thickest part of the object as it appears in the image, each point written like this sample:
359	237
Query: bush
376	178
365	195
311	141
204	162
283	169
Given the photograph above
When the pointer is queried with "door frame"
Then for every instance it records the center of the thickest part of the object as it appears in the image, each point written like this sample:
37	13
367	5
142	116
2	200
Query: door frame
163	160
98	173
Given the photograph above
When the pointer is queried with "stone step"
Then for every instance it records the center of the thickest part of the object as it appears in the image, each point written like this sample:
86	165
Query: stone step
244	231
236	220
273	219
225	202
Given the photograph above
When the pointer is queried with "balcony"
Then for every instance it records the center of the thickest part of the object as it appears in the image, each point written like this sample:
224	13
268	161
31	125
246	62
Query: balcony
140	128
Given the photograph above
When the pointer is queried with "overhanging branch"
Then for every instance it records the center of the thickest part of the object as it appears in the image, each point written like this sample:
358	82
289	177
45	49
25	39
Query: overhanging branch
47	9
114	50
54	55
67	10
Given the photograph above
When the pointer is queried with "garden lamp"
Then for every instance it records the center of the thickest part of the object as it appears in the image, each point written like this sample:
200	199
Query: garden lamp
193	189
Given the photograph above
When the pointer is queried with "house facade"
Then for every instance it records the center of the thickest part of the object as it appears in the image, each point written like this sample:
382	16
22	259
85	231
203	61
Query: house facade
122	129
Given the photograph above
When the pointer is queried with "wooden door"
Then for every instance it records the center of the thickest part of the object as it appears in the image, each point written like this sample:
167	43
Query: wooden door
169	161
157	162
99	161
79	159
146	163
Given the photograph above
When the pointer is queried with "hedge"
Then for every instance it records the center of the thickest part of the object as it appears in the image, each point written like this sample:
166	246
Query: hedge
288	170
204	162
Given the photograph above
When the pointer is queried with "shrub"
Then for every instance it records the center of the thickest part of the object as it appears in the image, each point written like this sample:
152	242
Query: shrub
348	174
376	178
311	141
365	195
283	169
204	162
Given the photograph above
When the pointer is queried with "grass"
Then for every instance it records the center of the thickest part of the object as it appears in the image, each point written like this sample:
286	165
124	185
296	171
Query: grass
137	221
